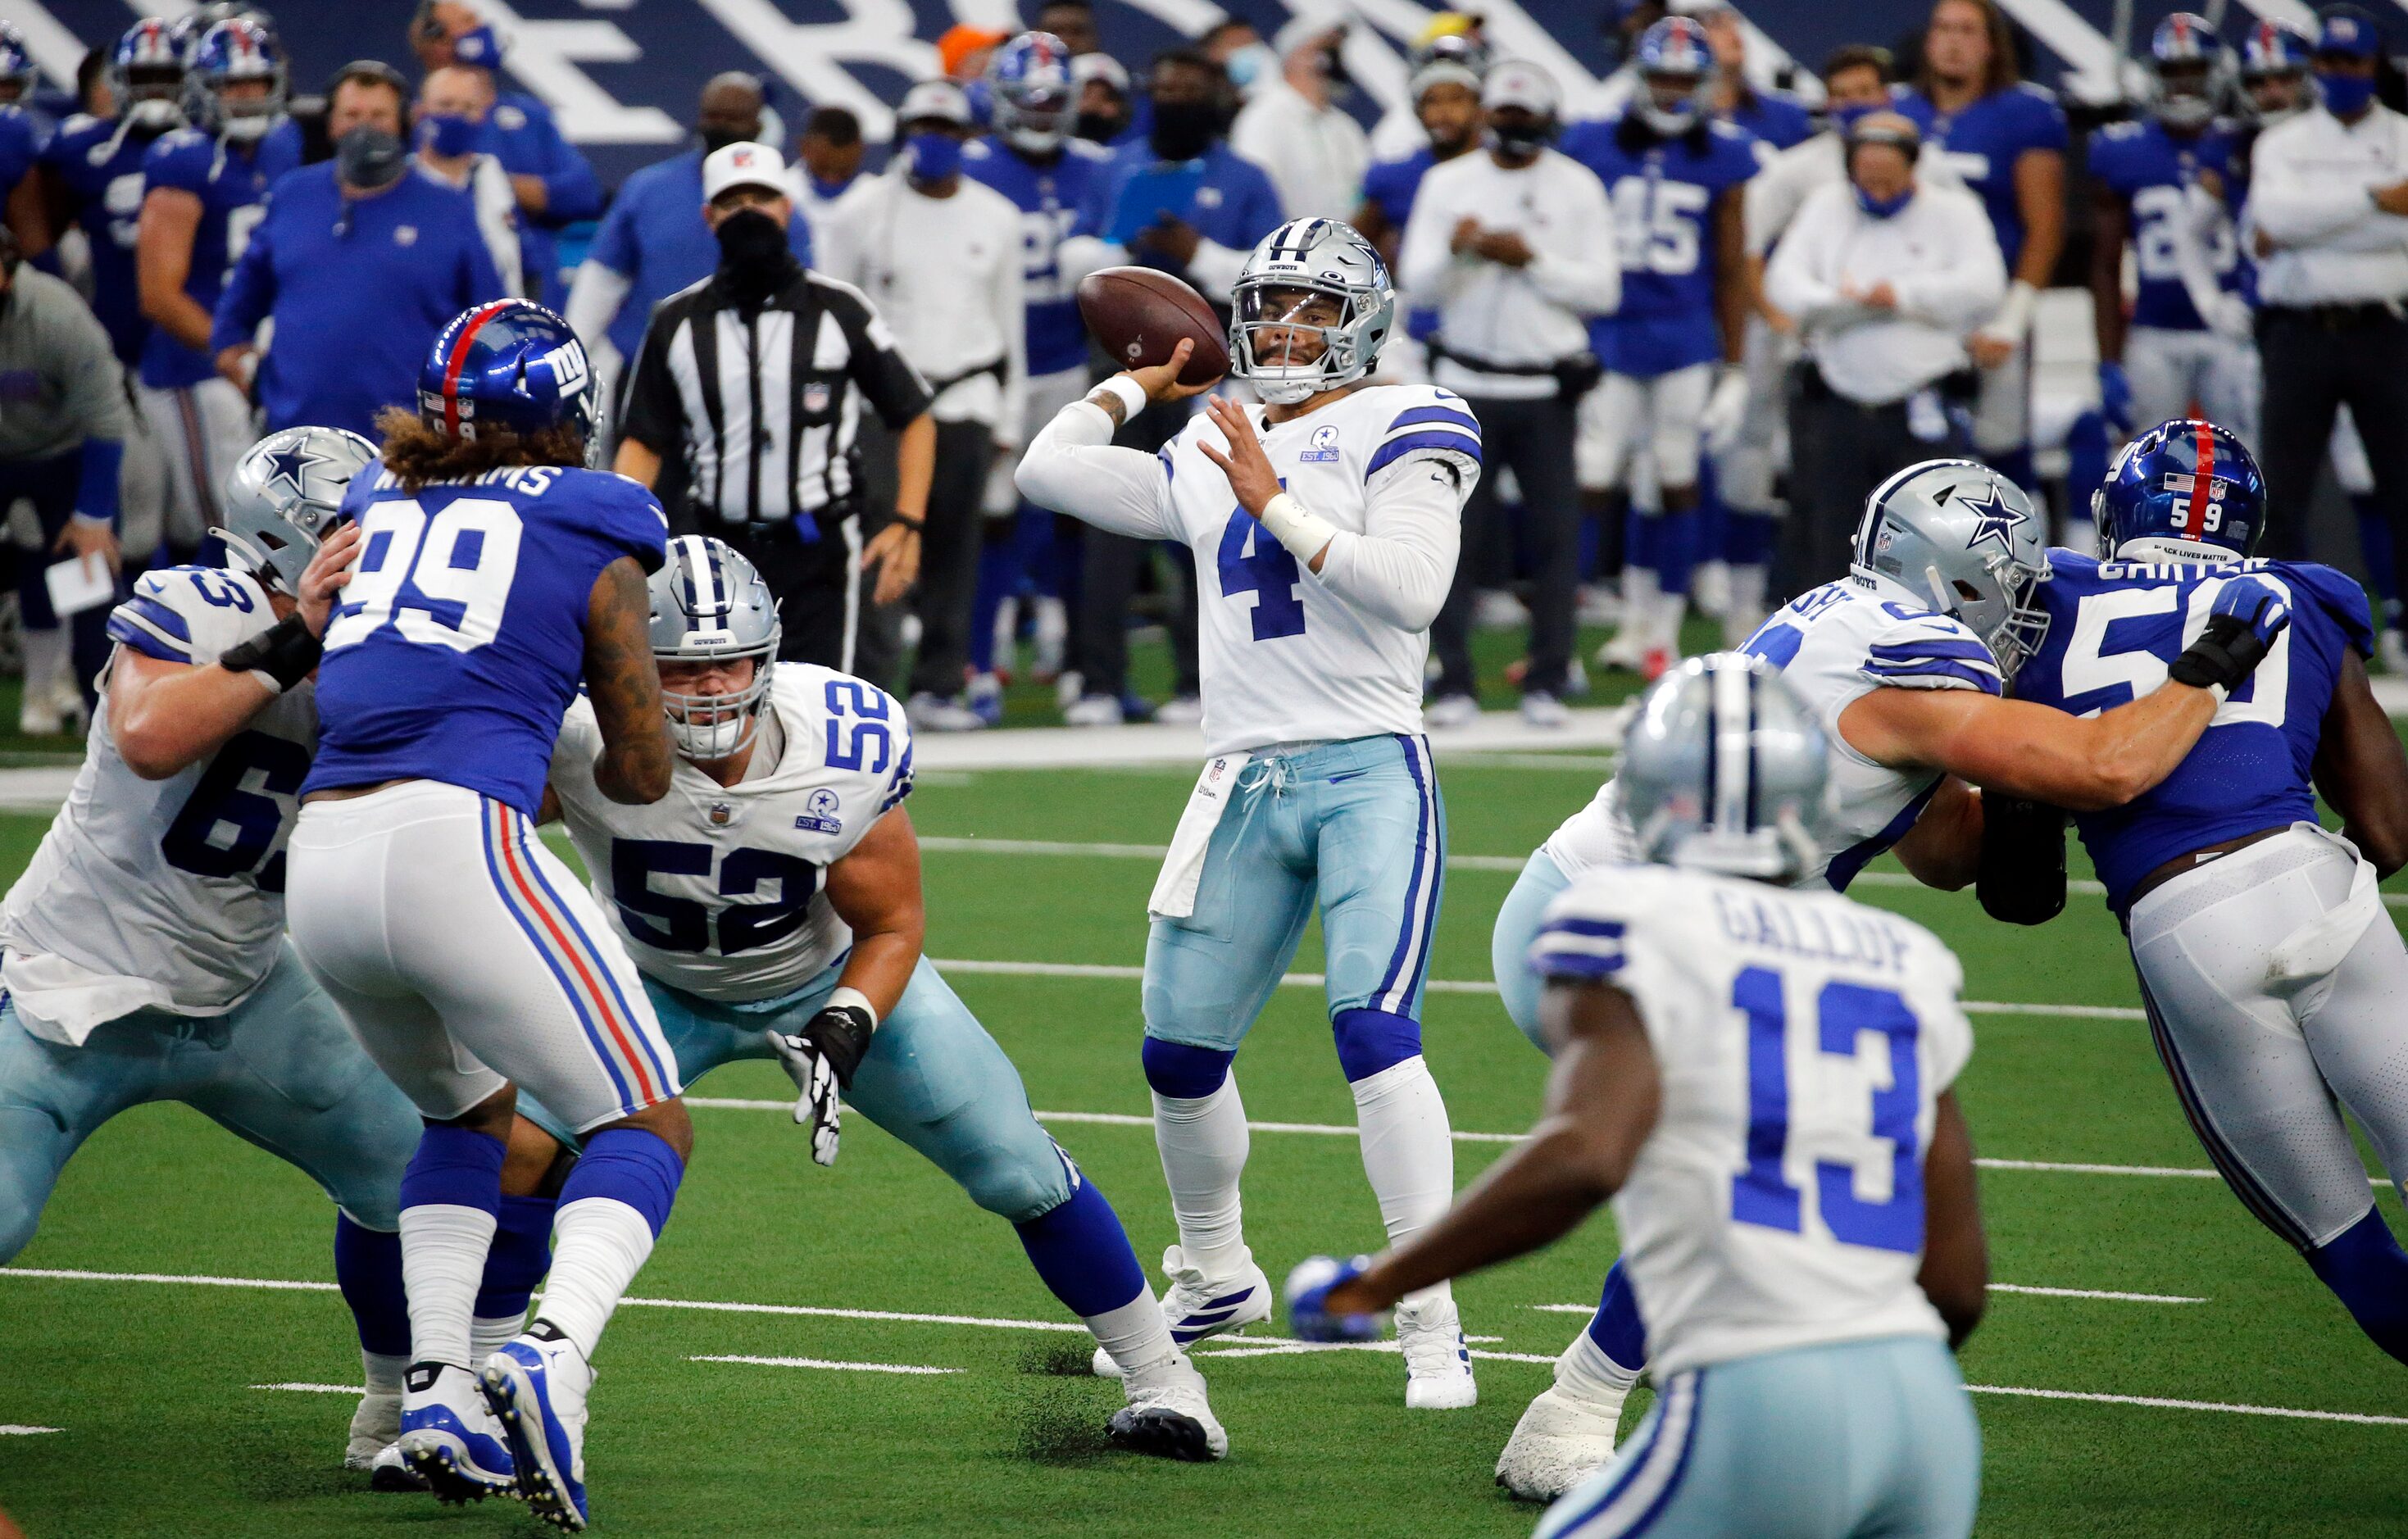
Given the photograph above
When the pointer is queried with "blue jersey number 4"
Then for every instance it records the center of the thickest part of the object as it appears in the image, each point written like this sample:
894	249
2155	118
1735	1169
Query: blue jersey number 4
1254	563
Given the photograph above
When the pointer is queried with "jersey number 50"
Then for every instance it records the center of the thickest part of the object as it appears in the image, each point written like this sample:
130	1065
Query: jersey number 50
441	580
2089	664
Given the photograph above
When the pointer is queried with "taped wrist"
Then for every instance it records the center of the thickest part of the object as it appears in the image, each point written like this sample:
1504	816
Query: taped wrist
1305	533
282	655
2022	875
840	1032
1130	394
2226	652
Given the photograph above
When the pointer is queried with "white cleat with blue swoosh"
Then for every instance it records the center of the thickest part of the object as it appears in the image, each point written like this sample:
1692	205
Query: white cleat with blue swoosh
1196	1307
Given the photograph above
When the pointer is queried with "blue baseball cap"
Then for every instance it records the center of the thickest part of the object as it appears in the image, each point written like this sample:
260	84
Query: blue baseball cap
2351	32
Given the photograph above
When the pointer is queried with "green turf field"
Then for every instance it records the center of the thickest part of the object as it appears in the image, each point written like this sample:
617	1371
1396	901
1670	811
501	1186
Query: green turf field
153	1382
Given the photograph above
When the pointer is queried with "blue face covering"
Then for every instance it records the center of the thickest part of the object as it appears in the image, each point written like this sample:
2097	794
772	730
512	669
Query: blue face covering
1883	207
2344	95
935	157
480	47
1845	118
448	132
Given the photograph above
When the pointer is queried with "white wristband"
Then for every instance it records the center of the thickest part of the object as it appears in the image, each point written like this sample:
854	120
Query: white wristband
1131	394
855	998
1304	533
2014	317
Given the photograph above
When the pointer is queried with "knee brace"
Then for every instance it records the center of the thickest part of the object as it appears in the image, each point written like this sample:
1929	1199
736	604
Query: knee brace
1369	1040
1181	1073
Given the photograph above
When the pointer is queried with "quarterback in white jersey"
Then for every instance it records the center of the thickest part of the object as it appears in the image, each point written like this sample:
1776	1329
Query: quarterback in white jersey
1325	526
1760	1080
145	954
1903	664
771	902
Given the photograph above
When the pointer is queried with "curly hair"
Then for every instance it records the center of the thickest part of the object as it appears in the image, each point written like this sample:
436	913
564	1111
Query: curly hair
418	453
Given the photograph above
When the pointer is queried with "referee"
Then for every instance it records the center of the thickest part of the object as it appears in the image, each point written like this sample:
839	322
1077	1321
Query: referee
2328	221
750	378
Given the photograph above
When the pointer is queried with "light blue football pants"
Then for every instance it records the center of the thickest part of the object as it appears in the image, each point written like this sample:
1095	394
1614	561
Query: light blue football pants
932	1078
280	1069
1357	828
1508	944
1861	1440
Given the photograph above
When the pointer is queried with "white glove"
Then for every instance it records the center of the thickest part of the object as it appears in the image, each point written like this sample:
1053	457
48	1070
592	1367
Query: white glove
2228	315
1726	408
821	1060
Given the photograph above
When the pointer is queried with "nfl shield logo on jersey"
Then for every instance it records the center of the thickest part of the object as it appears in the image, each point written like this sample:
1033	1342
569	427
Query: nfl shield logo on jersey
815	398
821	817
719	814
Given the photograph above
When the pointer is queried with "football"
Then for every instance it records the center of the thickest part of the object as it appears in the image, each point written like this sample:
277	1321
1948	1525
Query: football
1139	315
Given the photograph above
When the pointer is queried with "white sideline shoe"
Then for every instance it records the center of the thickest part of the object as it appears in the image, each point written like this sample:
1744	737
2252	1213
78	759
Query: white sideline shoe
1566	1436
374	1427
1168	1414
1449	712
1438	1366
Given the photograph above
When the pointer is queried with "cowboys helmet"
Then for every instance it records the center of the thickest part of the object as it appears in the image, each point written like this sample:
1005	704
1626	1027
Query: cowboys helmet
229	53
282	496
2184	490
1303	258
710	606
1723	770
507	363
1031	98
2190	72
146	76
18	74
1956	537
1674	65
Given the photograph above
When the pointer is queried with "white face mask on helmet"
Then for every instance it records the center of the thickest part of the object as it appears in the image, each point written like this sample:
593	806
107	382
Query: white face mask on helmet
710	606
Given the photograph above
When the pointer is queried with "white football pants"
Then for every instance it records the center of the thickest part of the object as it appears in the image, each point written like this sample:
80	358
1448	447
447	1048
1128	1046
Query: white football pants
2169	370
1625	414
202	430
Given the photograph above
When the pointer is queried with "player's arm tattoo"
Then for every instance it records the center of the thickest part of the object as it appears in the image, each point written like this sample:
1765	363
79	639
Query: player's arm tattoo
624	686
1114	408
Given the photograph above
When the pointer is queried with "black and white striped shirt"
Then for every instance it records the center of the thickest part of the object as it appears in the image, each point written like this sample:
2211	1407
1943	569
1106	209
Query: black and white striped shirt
764	406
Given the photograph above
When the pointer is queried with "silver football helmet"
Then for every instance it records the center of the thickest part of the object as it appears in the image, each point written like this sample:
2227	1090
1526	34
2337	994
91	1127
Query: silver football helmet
710	606
282	498
1303	259
1958	538
1723	770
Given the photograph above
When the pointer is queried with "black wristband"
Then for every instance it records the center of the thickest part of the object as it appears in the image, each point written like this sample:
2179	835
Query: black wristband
283	654
2021	879
2226	652
840	1034
913	522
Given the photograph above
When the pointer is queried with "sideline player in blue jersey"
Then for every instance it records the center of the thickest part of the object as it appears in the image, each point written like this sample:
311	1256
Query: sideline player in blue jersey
93	166
2006	141
21	133
205	188
1674	173
2170	358
1033	158
494	573
1774	117
2272	973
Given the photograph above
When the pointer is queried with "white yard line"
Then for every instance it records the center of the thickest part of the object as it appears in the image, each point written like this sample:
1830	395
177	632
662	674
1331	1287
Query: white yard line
2164	1405
313	1389
830	1363
2094	1293
12	1429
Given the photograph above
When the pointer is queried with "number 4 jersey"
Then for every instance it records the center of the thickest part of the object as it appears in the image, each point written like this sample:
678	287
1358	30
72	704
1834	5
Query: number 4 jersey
716	889
2114	627
165	895
1803	1041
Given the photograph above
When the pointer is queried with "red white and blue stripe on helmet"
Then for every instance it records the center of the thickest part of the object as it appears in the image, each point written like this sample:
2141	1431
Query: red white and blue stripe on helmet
2273	48
455	362
2182	39
148	44
1675	46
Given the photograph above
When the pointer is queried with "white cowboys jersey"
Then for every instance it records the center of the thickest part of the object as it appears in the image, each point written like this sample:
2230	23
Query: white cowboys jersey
1803	1040
164	893
1833	644
1283	659
716	889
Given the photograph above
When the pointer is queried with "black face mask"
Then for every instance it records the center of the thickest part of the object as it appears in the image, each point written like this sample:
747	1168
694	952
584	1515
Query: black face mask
370	159
715	139
754	259
1333	71
1521	140
1101	127
1184	130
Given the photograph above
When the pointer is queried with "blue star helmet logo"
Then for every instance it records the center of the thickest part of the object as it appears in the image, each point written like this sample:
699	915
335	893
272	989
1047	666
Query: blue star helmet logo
289	465
1994	521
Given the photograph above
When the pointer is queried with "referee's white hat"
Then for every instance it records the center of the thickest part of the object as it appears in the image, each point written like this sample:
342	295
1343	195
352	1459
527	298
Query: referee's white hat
743	164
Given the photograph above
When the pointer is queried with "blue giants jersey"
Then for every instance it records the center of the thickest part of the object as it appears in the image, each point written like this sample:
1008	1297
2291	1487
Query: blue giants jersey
99	159
20	145
1981	144
2149	168
1776	118
1048	195
232	181
1663	193
461	638
2113	629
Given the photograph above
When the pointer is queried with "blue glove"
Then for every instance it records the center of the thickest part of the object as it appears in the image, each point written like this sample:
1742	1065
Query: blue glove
2115	397
1308	1302
2249	614
2257	603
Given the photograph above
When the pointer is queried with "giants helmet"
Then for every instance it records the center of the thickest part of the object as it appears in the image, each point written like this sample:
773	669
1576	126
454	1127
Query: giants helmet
2190	72
282	496
710	604
1311	256
1956	537
229	53
17	75
146	76
2276	50
1674	63
1032	100
1723	770
2184	490
507	363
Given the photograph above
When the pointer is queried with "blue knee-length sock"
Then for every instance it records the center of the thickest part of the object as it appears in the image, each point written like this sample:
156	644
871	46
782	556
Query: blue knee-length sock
367	1268
1615	1327
521	1254
2367	1271
1081	1251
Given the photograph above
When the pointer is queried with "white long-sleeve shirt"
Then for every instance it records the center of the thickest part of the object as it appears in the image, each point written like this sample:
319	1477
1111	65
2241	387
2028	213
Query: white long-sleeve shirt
946	273
1289	654
1533	315
1938	254
488	186
1315	155
2309	182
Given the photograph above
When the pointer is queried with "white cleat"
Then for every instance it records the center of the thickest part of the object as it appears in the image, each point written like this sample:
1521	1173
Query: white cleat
1167	1415
1183	711
2392	654
1196	1307
1449	712
1095	711
389	1472
374	1427
1438	1366
448	1437
1562	1439
935	713
1541	709
1626	652
538	1386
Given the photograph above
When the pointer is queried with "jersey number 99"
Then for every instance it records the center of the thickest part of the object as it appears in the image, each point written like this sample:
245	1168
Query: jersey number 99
440	581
